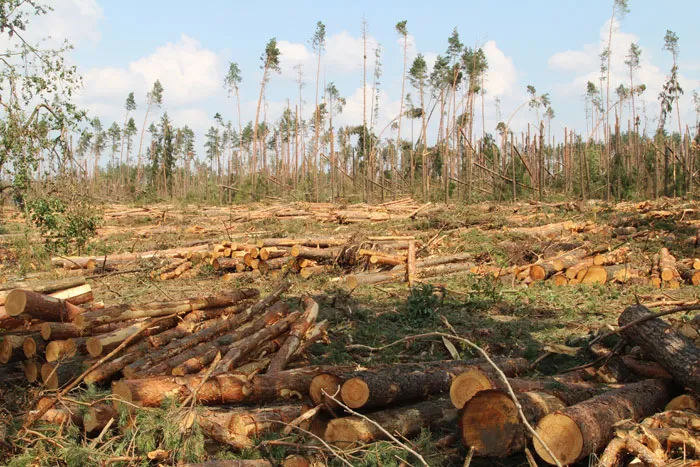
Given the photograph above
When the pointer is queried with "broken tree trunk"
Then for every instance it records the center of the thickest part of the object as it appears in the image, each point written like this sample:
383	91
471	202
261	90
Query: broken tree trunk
667	266
405	421
675	352
295	337
585	428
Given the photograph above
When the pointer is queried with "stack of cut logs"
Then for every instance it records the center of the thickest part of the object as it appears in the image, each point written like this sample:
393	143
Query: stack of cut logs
348	406
56	340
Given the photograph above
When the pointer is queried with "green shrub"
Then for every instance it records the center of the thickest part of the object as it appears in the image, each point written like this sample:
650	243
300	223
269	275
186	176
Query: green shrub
64	225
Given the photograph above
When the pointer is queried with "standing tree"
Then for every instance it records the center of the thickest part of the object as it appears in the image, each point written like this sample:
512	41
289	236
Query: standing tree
115	134
336	103
418	75
129	132
270	62
232	82
129	106
99	143
318	44
632	62
403	33
154	99
168	152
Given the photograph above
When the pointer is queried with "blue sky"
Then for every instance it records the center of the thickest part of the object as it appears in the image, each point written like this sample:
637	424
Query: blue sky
124	45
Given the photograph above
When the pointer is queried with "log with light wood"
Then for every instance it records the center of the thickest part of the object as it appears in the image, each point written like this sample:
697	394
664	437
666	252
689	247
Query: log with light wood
237	351
61	349
403	421
224	388
56	375
196	358
490	421
306	242
33	345
11	349
295	337
157	309
675	352
585	428
667	267
105	343
385	386
316	254
39	306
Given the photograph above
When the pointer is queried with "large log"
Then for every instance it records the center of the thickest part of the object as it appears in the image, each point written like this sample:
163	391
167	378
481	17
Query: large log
667	266
585	428
41	287
675	352
491	424
11	349
380	388
295	337
404	421
468	383
224	388
39	306
104	343
307	242
65	348
156	309
56	375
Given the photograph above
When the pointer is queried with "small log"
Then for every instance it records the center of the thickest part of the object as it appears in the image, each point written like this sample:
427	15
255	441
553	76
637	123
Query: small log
32	345
38	306
405	421
157	309
57	375
595	275
585	428
316	254
31	370
683	402
56	331
177	272
411	263
62	349
667	266
675	352
98	416
227	264
295	337
307	242
11	349
104	343
239	350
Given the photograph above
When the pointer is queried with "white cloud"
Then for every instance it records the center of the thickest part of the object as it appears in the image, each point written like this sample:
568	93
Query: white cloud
585	65
502	76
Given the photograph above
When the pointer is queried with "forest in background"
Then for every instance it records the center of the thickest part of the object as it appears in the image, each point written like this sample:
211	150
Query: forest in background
429	150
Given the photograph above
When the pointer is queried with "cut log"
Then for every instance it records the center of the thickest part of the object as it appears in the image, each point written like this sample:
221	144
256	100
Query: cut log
98	416
156	309
667	266
227	264
405	421
307	242
595	275
11	349
690	276
683	402
225	388
467	384
585	428
490	421
31	370
440	260
542	271
109	369
57	375
40	306
62	349
239	350
55	331
197	358
380	388
232	463
216	328
295	337
33	345
78	295
316	254
42	287
675	352
411	263
177	272
105	343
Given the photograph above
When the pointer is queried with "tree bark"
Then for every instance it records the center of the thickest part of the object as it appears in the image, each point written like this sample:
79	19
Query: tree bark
38	306
585	428
400	383
156	309
296	335
224	388
403	421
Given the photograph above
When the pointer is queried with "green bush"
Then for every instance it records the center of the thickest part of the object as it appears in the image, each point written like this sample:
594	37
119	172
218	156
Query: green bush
64	225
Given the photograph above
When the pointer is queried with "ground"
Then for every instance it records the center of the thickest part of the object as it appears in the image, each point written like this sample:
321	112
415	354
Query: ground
502	316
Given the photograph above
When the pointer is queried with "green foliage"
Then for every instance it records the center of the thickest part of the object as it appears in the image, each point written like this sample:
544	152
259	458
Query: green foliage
64	224
422	304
